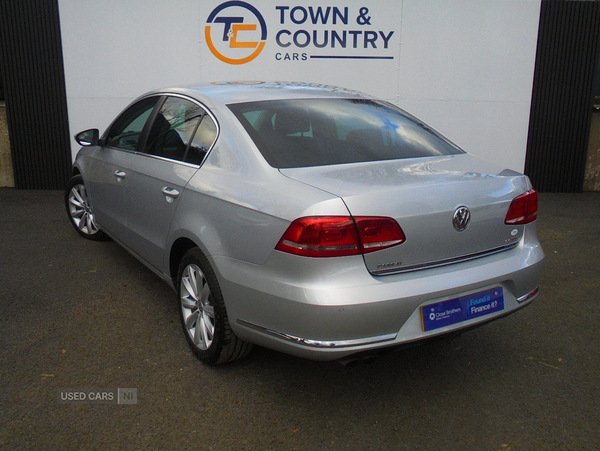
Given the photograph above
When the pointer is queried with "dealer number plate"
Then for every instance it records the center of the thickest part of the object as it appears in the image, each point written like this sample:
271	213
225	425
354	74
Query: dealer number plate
453	311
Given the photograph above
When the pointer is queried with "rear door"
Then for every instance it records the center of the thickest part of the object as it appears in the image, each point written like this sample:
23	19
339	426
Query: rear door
179	138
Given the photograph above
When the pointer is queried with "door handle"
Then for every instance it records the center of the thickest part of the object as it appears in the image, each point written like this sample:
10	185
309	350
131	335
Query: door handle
120	175
170	193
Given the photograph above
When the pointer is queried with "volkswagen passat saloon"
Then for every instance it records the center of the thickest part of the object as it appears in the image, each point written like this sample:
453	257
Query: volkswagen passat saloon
308	219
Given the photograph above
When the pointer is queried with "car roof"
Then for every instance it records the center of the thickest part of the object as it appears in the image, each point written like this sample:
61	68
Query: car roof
249	91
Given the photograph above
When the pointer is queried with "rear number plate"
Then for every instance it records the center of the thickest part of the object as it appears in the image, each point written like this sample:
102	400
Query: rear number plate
453	311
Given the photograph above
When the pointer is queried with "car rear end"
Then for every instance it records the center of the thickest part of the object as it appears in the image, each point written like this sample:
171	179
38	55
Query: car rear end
428	240
325	295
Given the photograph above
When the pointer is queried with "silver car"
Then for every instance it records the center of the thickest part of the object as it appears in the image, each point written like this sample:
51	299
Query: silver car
313	220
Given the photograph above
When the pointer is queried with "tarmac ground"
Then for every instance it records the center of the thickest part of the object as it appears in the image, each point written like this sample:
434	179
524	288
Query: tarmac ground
80	315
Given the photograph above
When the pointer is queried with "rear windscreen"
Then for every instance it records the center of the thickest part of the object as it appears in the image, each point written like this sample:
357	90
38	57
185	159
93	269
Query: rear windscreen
319	132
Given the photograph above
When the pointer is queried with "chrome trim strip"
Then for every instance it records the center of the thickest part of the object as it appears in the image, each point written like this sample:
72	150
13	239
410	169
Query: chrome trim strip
448	261
318	343
529	295
168	160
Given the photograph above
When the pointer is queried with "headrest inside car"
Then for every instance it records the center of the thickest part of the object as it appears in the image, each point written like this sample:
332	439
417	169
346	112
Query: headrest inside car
291	121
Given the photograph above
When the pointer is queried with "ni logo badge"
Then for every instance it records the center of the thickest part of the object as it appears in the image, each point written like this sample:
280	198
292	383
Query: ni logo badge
235	32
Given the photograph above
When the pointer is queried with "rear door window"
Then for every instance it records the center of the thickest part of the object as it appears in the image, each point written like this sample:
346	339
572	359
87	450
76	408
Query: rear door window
182	131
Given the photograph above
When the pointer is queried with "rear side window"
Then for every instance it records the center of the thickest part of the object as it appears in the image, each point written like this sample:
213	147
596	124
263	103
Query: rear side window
204	137
318	132
181	131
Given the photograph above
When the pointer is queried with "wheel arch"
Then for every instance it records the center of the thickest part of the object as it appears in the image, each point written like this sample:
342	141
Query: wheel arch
178	250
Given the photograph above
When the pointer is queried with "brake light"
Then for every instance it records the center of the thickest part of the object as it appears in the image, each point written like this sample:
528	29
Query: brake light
337	236
523	209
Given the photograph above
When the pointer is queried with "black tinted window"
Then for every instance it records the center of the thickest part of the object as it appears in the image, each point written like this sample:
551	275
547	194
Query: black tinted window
172	128
126	130
317	132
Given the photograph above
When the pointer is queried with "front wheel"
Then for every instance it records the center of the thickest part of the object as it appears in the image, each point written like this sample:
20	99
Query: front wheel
203	315
80	211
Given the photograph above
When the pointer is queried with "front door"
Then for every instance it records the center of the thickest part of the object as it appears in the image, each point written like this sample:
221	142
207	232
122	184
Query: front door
107	175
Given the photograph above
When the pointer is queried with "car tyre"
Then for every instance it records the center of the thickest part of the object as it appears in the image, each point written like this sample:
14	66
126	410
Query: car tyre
203	314
80	211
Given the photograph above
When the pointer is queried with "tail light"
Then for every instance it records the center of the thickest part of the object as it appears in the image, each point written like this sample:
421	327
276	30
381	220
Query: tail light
337	236
523	209
378	233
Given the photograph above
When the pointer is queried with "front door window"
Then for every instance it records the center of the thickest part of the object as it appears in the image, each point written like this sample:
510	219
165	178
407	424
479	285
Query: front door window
126	131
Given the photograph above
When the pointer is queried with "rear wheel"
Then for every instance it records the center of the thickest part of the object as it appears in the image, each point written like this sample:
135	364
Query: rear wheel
80	211
203	315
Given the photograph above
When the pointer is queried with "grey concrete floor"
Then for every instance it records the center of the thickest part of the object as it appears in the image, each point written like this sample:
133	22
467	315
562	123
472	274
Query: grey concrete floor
81	314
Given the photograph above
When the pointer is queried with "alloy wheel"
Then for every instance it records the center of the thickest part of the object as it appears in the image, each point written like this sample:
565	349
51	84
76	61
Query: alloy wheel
81	211
196	307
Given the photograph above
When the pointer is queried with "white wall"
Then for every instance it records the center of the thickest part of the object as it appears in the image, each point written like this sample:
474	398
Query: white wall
465	67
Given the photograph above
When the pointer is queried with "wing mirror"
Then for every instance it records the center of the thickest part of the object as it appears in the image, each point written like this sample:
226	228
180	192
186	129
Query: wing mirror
88	137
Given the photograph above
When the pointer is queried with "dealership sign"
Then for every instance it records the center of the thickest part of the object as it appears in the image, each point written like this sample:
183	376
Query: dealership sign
236	33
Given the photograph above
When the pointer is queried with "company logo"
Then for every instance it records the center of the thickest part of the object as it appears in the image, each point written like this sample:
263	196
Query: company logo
235	32
461	218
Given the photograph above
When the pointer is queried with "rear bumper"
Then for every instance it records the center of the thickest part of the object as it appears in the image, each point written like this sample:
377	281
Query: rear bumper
323	310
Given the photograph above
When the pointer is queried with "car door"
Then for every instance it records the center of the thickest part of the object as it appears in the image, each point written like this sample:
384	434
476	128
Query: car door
106	176
177	142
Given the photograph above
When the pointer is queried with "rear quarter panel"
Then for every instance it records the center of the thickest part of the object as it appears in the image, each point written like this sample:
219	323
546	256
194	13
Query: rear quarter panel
238	206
